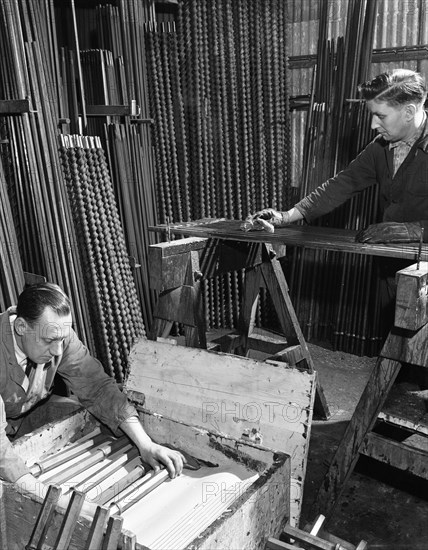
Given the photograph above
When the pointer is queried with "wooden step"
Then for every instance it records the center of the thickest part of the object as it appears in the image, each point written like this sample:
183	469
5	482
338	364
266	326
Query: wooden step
404	455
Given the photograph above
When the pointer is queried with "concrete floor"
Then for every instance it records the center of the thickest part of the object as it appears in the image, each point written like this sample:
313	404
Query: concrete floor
387	510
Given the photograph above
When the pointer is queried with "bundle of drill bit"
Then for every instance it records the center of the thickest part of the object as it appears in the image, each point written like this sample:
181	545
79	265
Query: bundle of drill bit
114	306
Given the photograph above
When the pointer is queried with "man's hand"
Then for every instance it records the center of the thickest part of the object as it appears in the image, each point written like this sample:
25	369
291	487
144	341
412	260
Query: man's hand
390	232
155	455
151	452
267	220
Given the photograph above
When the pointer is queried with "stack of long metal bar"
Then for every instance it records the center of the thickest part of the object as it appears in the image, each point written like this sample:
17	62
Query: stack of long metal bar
46	234
119	61
334	294
48	239
109	282
11	272
130	161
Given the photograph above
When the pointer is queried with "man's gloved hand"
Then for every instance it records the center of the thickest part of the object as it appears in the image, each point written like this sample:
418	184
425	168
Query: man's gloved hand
390	232
267	220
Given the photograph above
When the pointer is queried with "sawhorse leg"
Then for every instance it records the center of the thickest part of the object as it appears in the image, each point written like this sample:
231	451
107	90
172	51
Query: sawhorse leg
180	299
372	399
270	273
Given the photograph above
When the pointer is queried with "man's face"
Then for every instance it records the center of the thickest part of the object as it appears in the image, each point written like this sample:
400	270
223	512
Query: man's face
44	339
394	123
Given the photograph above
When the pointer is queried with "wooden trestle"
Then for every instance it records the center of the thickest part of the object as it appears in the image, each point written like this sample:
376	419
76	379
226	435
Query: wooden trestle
177	270
406	345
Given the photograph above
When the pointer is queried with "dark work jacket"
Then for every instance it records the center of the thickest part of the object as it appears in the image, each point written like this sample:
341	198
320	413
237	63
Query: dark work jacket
402	198
83	374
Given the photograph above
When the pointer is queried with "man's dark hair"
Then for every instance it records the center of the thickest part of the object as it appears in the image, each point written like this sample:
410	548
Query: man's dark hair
396	88
35	298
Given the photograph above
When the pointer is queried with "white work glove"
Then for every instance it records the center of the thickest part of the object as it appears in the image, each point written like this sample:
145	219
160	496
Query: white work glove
266	220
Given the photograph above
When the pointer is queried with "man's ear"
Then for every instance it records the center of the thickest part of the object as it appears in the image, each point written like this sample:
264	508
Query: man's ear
410	110
20	325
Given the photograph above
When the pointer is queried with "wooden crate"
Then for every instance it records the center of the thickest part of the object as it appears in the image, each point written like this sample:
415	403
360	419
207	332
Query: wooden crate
268	403
259	510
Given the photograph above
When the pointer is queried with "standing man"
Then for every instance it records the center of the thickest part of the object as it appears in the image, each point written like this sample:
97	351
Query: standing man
36	342
396	161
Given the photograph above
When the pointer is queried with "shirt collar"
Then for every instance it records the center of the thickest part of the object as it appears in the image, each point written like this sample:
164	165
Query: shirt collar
21	358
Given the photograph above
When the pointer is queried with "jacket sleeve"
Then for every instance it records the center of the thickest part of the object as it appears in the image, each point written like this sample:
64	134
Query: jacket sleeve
358	175
96	390
12	466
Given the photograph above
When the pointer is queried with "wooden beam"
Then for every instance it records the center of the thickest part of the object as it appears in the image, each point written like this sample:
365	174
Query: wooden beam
396	454
109	110
70	521
275	544
177	305
96	532
418	424
291	355
411	311
322	533
129	540
14	106
44	519
407	346
302	536
113	531
372	399
3	519
229	342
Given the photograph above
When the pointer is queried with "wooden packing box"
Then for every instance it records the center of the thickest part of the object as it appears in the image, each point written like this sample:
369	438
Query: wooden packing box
260	510
268	402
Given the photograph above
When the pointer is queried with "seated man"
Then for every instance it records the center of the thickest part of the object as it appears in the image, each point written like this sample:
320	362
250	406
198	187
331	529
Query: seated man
37	341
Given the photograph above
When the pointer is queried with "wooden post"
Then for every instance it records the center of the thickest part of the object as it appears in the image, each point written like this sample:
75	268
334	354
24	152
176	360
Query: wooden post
70	521
43	521
365	415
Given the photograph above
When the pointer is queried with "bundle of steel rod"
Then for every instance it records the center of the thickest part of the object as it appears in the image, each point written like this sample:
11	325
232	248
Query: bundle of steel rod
130	155
107	470
115	73
220	103
46	235
338	312
110	286
118	29
11	272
